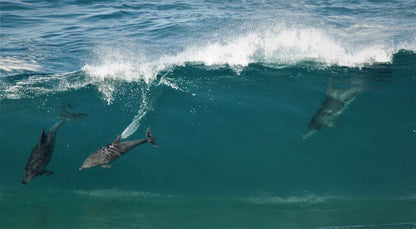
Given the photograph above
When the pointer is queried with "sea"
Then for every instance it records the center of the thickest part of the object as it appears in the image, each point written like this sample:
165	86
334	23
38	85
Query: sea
239	96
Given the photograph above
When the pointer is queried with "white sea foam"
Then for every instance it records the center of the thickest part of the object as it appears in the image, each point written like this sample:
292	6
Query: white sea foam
36	85
410	196
121	63
271	200
278	45
116	193
288	46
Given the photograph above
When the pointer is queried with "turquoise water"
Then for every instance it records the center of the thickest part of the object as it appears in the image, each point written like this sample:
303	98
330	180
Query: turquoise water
229	89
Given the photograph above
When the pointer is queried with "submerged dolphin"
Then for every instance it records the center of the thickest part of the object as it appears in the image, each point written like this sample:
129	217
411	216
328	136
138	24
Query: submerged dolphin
335	102
68	115
111	152
42	152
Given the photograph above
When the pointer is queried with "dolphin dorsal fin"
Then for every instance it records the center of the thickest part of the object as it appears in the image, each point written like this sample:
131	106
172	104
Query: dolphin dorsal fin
43	137
117	140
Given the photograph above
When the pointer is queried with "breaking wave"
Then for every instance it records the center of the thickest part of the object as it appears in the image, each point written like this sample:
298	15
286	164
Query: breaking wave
276	45
112	65
279	46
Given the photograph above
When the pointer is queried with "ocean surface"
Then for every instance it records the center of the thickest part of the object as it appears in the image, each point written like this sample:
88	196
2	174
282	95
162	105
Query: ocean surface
231	90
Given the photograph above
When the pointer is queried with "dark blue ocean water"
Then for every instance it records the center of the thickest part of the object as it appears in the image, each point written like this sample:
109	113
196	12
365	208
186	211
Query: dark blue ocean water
229	89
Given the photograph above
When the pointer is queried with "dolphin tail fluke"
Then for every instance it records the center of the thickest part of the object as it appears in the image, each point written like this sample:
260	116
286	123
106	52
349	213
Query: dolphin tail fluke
149	138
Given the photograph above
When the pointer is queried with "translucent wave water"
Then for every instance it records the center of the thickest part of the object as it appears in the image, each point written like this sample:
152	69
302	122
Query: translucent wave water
229	89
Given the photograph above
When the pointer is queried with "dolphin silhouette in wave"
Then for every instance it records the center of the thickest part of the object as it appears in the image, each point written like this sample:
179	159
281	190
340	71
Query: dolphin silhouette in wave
336	101
42	152
103	156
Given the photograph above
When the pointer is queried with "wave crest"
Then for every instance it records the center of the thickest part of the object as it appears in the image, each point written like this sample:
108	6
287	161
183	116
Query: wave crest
278	46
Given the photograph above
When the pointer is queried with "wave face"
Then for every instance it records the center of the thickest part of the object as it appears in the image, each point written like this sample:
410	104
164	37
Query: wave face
229	89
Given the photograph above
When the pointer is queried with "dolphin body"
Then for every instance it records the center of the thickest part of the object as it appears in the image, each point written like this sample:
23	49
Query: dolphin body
42	152
72	116
103	156
336	101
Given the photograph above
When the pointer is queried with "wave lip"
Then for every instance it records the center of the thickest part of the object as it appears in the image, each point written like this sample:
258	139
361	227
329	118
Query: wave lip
287	46
280	45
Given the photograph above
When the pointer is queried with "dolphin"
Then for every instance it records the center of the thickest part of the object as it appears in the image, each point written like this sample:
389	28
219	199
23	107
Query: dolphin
336	101
103	156
72	116
42	152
